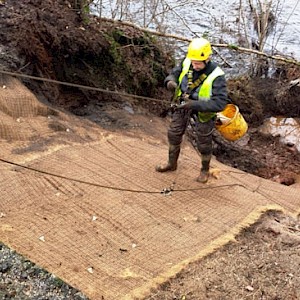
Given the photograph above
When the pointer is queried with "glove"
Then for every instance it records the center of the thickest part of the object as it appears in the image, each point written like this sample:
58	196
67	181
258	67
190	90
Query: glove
171	85
185	97
187	104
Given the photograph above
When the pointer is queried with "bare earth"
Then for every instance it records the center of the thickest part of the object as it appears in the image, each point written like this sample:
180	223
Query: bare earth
262	264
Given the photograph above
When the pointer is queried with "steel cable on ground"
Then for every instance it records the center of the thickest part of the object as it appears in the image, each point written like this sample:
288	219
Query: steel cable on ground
164	191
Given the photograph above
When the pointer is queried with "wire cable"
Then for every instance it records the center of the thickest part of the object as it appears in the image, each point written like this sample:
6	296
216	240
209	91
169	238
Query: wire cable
165	191
83	86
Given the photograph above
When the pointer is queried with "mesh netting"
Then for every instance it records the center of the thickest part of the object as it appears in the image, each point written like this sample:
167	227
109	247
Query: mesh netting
87	205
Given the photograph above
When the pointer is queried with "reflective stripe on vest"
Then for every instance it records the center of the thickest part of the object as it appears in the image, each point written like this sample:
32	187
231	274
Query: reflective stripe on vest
206	87
206	91
185	68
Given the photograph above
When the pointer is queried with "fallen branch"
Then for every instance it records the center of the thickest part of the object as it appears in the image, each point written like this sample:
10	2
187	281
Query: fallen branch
229	46
253	51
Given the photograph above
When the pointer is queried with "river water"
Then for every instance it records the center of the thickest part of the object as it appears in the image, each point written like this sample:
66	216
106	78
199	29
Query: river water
222	21
287	129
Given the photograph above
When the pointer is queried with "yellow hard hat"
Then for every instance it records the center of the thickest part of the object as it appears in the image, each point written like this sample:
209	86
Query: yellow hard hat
199	49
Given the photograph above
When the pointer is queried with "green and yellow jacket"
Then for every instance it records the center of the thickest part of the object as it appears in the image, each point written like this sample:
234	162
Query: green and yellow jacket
209	89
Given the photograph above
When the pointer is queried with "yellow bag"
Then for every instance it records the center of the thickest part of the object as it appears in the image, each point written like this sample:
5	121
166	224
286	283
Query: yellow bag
230	123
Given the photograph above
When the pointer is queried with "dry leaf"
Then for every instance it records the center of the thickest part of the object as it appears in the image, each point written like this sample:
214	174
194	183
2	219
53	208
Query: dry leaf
215	173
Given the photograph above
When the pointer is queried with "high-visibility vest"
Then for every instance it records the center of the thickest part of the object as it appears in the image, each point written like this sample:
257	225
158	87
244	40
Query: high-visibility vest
205	90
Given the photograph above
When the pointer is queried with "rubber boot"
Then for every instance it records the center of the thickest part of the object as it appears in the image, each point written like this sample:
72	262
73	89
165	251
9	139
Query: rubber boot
174	151
204	173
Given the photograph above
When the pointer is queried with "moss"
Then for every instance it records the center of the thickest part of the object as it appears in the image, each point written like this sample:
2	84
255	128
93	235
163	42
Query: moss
114	48
57	282
234	47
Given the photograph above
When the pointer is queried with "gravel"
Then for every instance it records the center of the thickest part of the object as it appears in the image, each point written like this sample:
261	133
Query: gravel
23	280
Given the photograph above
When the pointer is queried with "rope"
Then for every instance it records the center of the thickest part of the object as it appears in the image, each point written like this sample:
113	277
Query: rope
83	86
165	191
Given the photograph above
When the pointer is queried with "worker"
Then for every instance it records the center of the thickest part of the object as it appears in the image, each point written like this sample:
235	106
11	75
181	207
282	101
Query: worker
200	91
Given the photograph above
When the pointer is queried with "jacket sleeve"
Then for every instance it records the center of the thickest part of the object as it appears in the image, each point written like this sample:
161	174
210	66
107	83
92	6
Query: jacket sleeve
174	75
218	99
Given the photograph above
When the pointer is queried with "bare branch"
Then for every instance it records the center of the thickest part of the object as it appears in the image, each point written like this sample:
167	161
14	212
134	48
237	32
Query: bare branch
229	46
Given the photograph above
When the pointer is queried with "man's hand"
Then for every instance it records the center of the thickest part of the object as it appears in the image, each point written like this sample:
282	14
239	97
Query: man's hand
171	85
187	104
185	97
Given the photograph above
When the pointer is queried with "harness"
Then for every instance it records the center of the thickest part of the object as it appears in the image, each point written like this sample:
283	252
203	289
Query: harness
204	81
196	83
